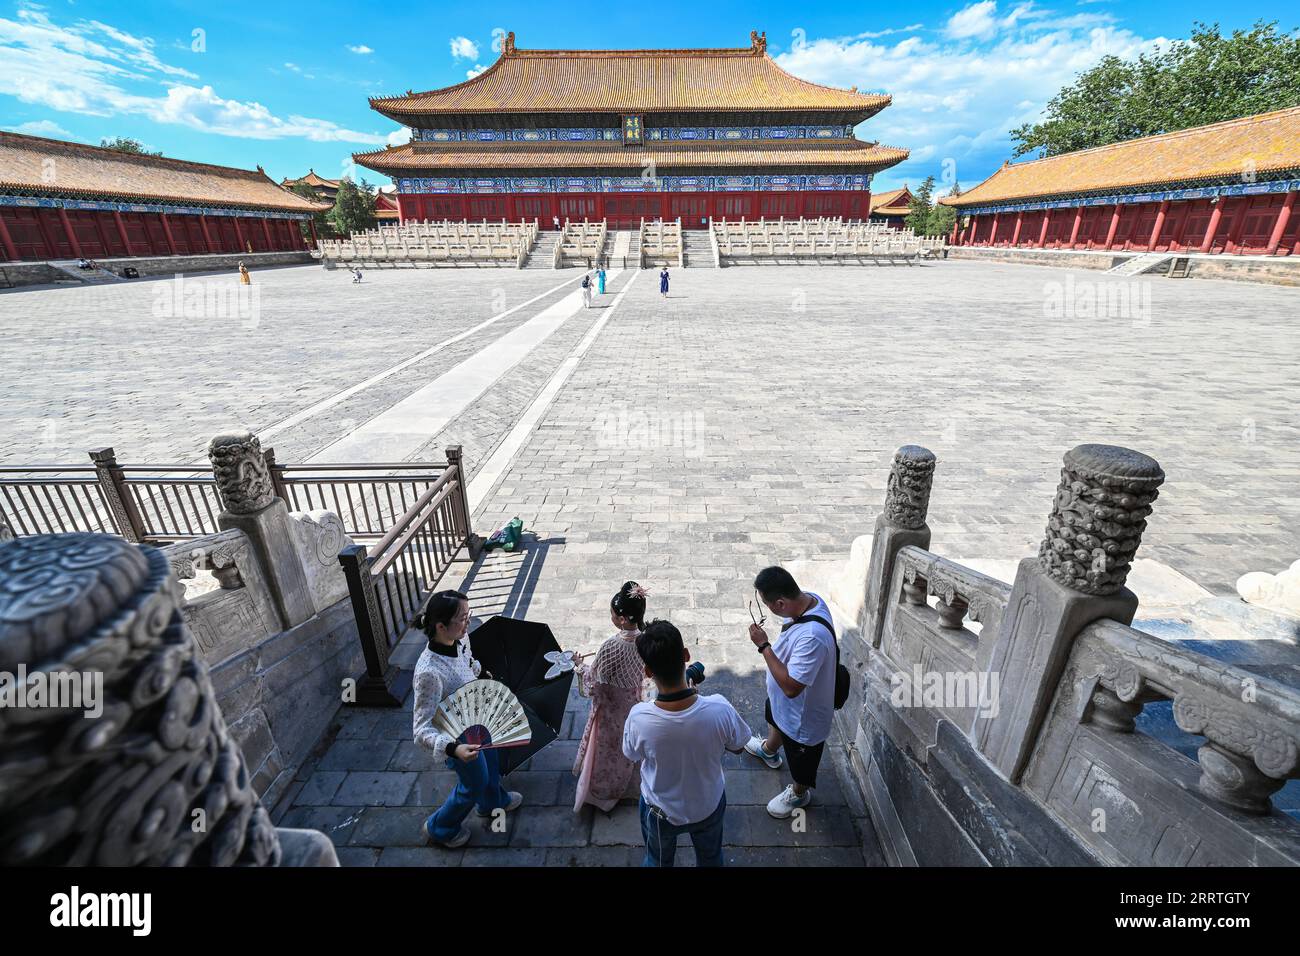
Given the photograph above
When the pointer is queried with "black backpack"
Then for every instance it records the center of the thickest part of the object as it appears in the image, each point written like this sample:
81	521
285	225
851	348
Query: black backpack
585	282
842	678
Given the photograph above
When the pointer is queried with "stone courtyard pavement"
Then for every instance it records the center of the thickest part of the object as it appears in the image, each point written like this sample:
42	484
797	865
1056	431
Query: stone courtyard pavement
687	442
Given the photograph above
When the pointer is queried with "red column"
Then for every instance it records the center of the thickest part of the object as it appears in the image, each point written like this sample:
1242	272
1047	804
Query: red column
103	236
239	234
11	250
952	239
1238	227
1215	215
1042	233
1074	231
67	230
993	235
1279	227
266	231
1114	227
167	231
1015	233
207	236
315	242
1160	224
121	231
43	224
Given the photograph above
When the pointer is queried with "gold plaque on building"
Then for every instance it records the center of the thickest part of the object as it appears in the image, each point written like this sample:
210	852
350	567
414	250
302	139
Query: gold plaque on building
632	131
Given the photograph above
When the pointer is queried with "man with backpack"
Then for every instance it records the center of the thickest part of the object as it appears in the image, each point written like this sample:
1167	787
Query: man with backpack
804	685
586	290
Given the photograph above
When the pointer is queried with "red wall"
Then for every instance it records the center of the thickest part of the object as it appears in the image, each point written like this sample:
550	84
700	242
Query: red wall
624	210
39	234
1245	226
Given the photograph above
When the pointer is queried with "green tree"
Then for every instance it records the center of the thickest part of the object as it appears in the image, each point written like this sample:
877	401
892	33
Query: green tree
942	217
921	208
354	207
1207	78
124	145
322	218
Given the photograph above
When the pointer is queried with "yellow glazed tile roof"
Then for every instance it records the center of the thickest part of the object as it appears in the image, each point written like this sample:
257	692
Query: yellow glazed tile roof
895	202
631	81
54	167
1252	145
558	157
311	179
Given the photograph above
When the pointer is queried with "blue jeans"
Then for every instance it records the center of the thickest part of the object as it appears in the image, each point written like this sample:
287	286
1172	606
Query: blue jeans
478	784
661	837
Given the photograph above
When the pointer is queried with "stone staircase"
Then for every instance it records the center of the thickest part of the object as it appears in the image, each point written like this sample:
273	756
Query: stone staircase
618	251
542	255
698	249
1139	264
73	271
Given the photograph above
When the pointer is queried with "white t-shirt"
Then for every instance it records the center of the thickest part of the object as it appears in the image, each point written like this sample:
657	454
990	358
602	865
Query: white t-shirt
808	652
681	754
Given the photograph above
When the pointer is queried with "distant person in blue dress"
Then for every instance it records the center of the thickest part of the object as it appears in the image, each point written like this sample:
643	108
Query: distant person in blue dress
600	278
663	282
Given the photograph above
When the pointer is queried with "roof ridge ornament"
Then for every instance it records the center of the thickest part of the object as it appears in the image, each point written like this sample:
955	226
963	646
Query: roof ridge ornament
758	42
508	46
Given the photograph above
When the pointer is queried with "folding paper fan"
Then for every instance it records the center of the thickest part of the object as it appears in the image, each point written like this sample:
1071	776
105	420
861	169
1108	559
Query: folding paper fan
484	712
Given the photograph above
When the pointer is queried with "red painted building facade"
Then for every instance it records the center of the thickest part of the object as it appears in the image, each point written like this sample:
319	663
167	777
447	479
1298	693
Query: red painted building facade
1225	188
626	135
63	200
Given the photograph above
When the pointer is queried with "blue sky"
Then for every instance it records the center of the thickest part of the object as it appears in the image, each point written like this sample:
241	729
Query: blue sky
285	85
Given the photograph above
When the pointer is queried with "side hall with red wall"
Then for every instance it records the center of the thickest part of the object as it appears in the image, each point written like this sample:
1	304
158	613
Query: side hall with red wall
1237	225
37	234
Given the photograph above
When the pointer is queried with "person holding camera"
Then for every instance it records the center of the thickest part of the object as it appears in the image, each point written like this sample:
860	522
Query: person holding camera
801	685
679	739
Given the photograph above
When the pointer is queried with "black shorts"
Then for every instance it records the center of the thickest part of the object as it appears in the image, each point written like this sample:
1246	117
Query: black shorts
803	759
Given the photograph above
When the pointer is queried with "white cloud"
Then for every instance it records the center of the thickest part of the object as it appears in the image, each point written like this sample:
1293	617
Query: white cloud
94	69
957	98
41	128
399	136
463	48
478	68
362	50
978	21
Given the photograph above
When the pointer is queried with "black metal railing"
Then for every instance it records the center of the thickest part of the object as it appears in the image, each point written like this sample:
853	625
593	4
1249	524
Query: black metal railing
389	588
161	504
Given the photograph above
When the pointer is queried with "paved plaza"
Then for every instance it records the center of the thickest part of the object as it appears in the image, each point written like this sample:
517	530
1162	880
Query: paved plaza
747	419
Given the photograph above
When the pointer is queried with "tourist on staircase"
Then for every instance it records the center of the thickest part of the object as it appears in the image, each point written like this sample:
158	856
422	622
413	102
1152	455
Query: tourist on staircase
801	674
444	667
679	739
614	680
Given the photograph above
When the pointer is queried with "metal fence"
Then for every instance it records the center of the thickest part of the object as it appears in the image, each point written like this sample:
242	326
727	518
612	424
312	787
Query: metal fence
390	587
160	504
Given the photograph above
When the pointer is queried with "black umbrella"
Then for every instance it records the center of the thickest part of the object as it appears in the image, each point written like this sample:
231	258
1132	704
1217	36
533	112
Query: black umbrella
513	652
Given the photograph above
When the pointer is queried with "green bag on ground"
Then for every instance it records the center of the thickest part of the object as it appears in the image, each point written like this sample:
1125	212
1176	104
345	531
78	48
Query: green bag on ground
507	537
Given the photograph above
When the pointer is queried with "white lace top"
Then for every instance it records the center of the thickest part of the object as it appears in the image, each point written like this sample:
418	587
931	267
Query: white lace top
436	676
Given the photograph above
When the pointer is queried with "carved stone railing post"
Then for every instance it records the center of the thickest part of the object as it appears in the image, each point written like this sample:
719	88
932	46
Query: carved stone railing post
133	765
902	523
249	503
112	484
1078	577
6	532
277	479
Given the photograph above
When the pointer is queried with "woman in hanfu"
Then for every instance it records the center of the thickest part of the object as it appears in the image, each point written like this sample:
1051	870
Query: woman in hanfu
614	680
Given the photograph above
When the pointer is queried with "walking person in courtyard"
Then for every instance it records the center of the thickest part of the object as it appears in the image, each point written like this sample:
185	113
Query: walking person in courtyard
244	277
613	680
600	278
801	675
679	739
663	282
445	666
587	281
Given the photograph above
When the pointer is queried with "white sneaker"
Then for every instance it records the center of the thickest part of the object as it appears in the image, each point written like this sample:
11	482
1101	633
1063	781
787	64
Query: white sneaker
755	747
459	840
516	799
786	802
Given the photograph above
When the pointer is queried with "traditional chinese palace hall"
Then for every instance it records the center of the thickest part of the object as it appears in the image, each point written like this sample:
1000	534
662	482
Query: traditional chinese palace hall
629	134
1225	188
62	200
